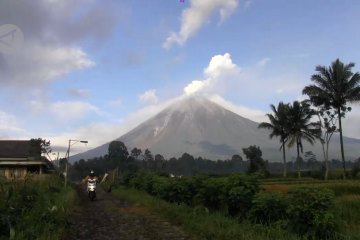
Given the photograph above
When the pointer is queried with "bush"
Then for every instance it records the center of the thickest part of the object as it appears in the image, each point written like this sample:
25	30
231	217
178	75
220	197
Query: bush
268	208
241	190
309	213
212	193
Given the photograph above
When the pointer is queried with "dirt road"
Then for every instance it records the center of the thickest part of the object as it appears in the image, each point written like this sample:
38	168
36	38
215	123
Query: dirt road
111	218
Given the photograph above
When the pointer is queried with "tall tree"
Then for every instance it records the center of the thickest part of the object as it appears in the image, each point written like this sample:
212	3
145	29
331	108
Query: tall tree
327	120
301	127
278	126
148	155
39	146
254	155
136	152
334	87
118	153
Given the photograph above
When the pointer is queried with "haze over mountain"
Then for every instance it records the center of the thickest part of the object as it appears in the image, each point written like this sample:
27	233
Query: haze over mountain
203	128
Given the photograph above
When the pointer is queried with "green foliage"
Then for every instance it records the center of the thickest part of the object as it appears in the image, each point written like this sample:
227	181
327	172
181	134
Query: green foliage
309	213
355	169
204	224
254	155
268	208
135	152
148	155
347	208
333	88
117	149
232	194
241	190
39	146
34	208
278	126
212	193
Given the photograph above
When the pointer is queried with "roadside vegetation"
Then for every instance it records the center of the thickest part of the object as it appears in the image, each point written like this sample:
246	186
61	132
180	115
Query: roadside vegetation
240	206
36	207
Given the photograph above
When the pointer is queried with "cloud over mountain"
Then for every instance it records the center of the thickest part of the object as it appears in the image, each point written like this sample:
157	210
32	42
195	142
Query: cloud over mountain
194	17
220	68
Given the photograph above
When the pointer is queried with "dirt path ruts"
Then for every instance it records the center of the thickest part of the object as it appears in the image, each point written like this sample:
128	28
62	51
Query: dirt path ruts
112	218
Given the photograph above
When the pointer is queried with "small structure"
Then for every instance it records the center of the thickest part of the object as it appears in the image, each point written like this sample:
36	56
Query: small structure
19	157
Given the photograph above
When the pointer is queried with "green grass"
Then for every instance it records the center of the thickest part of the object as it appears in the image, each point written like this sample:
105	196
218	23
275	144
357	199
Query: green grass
347	200
215	225
348	209
35	208
203	225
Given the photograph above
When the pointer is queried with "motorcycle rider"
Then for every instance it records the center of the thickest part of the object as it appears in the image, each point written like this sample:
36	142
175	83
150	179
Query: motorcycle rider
91	181
91	177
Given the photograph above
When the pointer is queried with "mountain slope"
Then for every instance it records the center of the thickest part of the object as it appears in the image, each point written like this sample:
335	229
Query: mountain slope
202	128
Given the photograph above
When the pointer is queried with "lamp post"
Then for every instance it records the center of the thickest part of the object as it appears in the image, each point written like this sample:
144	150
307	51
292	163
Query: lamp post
68	156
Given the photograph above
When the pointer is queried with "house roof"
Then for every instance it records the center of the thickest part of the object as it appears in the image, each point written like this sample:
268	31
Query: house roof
14	148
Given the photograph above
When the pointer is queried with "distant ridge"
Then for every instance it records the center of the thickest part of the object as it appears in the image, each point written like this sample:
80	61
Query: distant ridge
203	128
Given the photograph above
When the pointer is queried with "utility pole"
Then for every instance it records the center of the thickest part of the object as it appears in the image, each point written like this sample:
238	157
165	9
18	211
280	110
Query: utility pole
68	156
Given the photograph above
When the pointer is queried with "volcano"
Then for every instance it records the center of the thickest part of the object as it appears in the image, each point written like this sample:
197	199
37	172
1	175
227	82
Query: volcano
200	127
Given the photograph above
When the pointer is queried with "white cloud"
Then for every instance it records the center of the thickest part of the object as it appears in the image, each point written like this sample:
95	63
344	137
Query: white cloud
80	93
252	114
219	69
65	111
37	64
351	122
9	126
116	102
195	86
149	97
194	17
102	132
263	62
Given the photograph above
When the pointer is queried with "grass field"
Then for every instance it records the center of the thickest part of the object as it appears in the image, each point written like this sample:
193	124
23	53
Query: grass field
347	201
35	208
202	224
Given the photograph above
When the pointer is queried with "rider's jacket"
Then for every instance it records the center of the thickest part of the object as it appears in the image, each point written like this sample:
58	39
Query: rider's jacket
87	178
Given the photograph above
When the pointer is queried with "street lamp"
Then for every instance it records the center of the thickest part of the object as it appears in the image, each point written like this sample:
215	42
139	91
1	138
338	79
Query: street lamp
68	155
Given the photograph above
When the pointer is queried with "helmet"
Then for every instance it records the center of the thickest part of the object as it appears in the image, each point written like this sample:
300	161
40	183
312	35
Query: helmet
92	173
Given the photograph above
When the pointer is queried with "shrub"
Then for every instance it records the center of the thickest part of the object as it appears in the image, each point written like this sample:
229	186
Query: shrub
309	213
268	208
183	190
241	190
212	193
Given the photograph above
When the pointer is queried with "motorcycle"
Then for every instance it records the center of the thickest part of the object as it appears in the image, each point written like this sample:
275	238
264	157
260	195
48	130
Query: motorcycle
91	188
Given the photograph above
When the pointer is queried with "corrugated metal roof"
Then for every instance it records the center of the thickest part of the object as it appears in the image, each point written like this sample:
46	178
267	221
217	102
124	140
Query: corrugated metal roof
15	148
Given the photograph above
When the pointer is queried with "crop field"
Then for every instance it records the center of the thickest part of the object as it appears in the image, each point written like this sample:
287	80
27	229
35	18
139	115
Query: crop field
346	202
239	206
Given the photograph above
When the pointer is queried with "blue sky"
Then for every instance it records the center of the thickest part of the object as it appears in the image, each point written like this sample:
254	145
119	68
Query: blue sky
94	69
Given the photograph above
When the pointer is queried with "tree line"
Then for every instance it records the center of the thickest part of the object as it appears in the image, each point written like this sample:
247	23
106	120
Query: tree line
333	89
120	158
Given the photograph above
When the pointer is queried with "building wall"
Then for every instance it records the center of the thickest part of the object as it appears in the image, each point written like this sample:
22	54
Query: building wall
13	172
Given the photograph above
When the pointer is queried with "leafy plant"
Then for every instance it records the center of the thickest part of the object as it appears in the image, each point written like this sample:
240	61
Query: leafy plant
268	208
309	213
241	190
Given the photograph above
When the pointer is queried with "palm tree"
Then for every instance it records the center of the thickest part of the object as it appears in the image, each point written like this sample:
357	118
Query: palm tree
277	125
333	88
301	127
